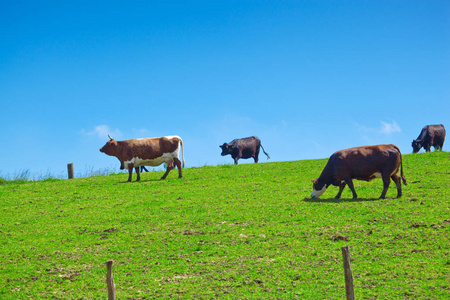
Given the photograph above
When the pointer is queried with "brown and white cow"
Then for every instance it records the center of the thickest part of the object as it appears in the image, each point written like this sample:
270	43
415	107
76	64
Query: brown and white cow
146	152
362	163
431	135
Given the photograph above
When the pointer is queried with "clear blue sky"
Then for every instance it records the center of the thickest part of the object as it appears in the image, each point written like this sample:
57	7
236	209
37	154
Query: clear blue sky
307	77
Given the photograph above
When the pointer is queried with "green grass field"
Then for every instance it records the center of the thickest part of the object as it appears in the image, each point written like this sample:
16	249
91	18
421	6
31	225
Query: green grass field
227	232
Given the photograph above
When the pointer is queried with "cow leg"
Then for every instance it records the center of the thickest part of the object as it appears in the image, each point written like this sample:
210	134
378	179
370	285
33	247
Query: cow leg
256	156
236	158
398	183
138	174
130	171
386	182
177	162
341	188
169	164
167	172
349	182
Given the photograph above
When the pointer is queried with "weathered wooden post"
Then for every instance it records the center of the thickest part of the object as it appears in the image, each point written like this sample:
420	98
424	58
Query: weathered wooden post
70	170
110	281
349	287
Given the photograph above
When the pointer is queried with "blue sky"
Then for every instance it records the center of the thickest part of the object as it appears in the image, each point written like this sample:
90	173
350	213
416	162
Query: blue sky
307	77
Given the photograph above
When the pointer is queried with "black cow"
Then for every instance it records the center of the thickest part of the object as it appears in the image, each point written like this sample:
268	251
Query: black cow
431	135
243	148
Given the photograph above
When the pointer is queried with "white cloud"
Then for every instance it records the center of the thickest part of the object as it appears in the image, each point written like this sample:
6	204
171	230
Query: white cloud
387	128
102	131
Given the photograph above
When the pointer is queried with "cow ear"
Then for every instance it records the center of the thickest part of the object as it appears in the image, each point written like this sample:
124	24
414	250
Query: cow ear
314	181
232	146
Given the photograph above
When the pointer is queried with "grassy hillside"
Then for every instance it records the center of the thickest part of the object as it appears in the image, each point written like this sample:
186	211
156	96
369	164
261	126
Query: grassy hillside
229	232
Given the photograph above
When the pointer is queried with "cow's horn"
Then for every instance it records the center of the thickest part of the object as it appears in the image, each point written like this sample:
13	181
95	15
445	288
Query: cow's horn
110	137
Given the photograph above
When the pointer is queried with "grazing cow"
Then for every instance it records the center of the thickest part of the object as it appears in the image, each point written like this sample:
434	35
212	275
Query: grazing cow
431	135
146	152
243	148
362	163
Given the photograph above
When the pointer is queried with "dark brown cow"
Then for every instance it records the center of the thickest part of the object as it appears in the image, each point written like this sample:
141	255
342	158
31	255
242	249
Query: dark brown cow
146	152
243	148
431	135
362	163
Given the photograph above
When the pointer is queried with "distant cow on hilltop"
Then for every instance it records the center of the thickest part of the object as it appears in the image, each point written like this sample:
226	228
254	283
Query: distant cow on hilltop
146	152
431	135
243	148
362	163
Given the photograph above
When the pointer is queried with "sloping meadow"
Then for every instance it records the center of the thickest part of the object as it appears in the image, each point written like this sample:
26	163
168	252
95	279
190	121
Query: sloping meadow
227	232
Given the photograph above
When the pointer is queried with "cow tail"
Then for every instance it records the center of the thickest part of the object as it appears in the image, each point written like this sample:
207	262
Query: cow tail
268	157
403	175
182	151
401	168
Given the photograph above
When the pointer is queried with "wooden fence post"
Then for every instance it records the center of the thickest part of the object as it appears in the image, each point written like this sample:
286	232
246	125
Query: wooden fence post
349	287
70	170
110	281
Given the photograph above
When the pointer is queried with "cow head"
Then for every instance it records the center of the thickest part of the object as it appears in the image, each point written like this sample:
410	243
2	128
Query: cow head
227	149
110	147
416	146
318	188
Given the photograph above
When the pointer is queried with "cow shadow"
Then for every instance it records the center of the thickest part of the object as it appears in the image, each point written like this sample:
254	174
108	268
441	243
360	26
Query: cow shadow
333	200
148	180
140	181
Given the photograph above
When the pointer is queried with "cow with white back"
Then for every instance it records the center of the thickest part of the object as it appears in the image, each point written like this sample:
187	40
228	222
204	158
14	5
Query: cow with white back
146	152
361	163
431	135
243	148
